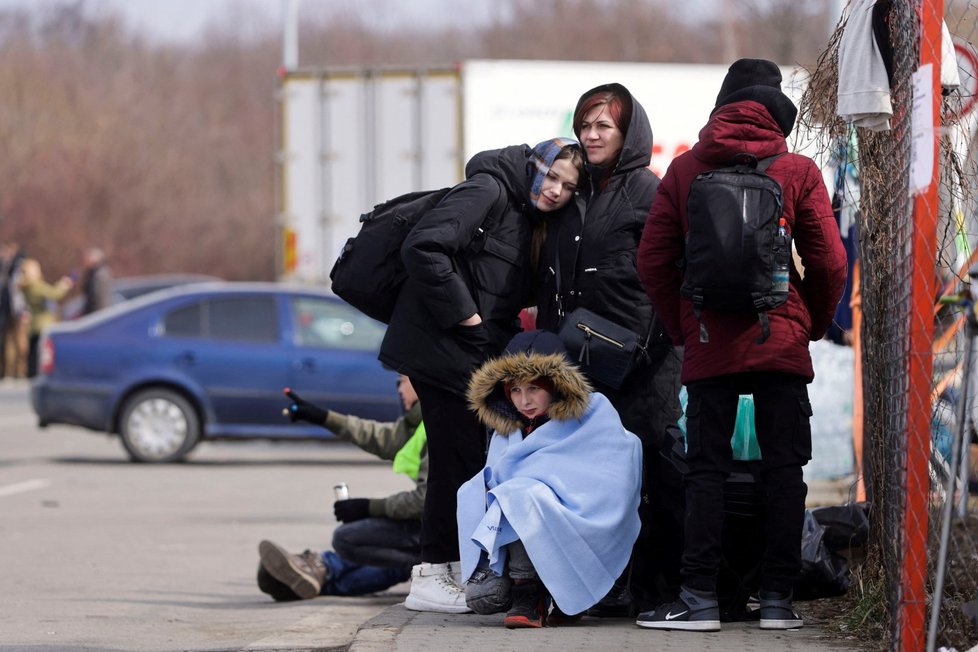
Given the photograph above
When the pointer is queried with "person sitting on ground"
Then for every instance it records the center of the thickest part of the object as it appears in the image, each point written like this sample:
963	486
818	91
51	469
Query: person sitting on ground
555	510
380	539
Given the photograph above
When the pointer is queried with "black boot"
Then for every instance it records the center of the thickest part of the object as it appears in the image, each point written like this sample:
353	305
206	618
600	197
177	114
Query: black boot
530	603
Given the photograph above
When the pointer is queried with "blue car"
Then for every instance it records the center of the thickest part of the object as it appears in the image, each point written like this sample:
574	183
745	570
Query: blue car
210	360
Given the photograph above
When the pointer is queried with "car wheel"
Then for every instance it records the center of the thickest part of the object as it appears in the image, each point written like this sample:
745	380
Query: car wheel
158	425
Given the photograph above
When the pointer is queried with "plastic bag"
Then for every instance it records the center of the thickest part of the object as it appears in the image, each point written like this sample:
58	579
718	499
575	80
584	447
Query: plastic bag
824	574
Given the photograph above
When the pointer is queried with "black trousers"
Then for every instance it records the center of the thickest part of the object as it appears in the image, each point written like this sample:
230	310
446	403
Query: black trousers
649	406
456	452
782	418
32	354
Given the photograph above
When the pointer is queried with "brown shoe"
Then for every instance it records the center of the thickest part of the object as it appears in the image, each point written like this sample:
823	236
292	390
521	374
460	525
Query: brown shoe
279	591
305	574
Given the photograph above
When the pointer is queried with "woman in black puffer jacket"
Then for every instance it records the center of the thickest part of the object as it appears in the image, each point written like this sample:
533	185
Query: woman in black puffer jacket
589	262
470	264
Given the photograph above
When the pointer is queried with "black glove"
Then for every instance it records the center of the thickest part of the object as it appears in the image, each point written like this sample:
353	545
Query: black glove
351	510
303	410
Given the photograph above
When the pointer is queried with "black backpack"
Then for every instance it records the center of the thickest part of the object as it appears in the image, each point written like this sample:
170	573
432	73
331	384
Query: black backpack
737	250
369	272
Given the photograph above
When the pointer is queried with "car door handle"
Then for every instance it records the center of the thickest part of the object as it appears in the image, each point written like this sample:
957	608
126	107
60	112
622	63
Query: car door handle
188	358
306	364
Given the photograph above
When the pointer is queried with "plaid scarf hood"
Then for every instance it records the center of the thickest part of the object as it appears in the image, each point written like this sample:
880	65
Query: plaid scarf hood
541	158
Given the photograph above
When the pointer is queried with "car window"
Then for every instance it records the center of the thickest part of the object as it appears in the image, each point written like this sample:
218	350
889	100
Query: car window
236	318
330	324
243	318
184	322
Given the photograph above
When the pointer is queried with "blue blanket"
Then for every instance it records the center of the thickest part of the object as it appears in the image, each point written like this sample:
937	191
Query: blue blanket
569	492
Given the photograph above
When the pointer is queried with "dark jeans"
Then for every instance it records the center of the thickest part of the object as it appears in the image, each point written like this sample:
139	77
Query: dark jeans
348	578
488	593
372	554
379	541
782	415
456	452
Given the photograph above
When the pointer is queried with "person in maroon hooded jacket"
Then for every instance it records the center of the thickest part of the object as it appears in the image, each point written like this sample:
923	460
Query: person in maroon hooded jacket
751	116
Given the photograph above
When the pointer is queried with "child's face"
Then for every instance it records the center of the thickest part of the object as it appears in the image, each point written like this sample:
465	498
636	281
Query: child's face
530	400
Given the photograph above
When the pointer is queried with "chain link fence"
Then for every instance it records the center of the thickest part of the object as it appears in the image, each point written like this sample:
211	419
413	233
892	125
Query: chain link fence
910	345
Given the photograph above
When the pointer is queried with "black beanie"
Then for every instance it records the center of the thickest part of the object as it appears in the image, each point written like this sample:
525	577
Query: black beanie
758	80
749	72
540	342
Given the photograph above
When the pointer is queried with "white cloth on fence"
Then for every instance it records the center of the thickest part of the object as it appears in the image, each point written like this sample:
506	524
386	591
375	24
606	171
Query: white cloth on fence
864	90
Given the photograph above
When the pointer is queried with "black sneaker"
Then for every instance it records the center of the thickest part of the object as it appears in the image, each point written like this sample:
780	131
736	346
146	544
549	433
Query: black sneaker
776	611
530	604
696	611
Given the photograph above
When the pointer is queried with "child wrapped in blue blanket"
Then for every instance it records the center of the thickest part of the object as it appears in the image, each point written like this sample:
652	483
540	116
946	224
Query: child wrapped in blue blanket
554	513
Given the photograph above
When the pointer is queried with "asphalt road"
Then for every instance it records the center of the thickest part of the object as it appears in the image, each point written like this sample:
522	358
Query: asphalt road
102	554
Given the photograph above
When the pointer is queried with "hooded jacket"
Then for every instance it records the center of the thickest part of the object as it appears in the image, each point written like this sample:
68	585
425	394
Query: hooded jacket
596	248
528	356
734	128
568	491
456	269
594	251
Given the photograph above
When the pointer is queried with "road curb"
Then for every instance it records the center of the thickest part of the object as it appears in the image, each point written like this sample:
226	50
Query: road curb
397	628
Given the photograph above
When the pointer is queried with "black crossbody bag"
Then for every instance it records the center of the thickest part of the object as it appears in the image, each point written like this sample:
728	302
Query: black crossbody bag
604	350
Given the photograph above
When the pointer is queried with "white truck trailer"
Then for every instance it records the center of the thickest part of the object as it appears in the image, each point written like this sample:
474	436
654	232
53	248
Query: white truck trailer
349	139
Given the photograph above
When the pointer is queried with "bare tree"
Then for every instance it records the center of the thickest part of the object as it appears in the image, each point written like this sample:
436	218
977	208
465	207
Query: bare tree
163	155
785	31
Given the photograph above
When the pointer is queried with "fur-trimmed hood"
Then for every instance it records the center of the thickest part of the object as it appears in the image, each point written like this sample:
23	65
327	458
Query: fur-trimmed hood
529	355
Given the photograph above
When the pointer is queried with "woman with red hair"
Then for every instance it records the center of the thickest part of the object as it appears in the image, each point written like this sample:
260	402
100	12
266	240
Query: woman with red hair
590	263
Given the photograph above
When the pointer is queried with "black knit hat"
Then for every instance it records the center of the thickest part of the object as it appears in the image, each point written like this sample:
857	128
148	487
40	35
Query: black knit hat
749	72
758	80
539	342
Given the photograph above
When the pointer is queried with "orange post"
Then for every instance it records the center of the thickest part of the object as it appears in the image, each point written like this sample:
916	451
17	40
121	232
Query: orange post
857	388
911	628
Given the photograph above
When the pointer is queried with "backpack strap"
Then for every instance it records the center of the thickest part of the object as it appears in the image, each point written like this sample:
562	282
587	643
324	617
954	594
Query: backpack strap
697	299
765	163
762	317
495	213
765	327
751	161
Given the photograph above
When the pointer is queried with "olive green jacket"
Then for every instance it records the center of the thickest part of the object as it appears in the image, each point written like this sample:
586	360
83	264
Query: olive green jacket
384	440
37	294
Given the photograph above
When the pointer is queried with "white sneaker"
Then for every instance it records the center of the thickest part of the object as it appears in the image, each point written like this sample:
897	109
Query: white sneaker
433	588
